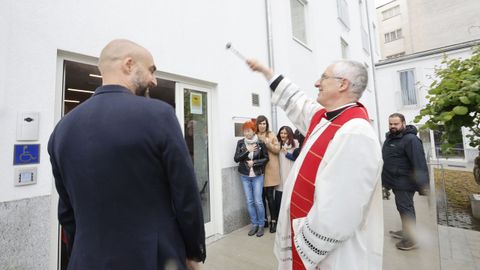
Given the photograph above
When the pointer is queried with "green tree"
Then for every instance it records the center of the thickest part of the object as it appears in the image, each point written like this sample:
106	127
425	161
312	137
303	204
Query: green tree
454	102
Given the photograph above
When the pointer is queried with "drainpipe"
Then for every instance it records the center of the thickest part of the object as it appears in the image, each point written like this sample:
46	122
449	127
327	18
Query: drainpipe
373	71
268	15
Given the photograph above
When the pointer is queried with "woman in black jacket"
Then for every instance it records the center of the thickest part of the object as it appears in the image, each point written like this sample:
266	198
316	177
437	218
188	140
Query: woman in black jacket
252	156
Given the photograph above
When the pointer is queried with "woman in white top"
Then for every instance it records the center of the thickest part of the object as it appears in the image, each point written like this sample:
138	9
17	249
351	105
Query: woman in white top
287	146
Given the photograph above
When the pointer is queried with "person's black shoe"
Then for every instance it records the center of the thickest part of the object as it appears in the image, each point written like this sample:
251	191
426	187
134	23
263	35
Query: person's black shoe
273	226
266	224
396	234
253	230
406	245
260	232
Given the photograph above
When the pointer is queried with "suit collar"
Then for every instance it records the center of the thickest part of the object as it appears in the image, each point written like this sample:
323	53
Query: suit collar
111	88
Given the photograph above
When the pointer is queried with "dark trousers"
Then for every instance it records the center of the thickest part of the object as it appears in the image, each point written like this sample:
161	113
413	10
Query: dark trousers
404	202
278	201
269	200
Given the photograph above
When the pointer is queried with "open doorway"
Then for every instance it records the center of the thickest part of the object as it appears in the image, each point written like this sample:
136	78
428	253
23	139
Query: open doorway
81	80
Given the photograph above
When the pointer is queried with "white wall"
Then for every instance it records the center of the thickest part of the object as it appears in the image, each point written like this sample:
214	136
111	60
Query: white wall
305	65
186	38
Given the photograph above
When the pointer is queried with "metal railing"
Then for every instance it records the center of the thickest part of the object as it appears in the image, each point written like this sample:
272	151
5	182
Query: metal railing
454	153
430	164
444	190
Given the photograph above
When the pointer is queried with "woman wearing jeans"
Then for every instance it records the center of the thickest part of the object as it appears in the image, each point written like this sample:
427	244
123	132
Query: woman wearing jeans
252	156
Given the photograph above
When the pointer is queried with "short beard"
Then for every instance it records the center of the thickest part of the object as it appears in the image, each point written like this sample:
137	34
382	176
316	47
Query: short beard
395	132
139	87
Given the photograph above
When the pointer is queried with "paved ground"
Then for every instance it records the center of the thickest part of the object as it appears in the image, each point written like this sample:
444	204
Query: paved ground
458	249
238	251
427	256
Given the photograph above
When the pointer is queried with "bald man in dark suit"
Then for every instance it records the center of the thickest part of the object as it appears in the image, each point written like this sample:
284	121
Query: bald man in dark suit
128	194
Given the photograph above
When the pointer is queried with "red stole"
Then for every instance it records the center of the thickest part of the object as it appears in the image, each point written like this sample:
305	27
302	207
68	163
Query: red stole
304	187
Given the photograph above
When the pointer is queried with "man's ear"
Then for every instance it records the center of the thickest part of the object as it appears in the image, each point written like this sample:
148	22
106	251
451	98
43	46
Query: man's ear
344	85
127	65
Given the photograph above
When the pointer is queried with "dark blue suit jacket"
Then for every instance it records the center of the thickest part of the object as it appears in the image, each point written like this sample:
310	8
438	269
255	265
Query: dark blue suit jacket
128	194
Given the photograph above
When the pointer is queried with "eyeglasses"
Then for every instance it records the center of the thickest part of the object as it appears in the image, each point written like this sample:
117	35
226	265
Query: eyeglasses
326	77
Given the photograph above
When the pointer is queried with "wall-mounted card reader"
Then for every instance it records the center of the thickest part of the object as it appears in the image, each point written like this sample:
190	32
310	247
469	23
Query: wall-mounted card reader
25	176
27	126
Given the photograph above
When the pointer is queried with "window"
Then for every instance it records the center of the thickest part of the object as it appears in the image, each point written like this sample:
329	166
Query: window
375	35
456	152
363	16
391	12
407	87
394	35
297	9
363	27
365	41
344	46
387	37
255	99
369	82
342	8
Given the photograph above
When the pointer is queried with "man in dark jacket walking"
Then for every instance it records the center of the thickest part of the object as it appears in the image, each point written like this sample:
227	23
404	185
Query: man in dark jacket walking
405	172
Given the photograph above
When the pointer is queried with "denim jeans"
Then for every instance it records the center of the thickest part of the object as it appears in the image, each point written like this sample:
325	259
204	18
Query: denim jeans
253	186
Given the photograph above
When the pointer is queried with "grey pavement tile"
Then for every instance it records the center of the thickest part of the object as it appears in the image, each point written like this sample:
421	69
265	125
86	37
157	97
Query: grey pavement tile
476	253
445	250
461	254
457	265
456	237
241	252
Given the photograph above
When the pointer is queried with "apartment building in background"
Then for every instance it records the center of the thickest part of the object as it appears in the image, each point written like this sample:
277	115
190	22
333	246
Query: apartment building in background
411	26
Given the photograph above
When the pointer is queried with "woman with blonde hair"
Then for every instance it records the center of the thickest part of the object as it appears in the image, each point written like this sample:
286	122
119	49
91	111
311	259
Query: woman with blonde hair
252	155
272	170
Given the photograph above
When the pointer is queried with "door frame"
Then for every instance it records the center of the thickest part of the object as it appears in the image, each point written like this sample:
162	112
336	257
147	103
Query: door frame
62	56
179	111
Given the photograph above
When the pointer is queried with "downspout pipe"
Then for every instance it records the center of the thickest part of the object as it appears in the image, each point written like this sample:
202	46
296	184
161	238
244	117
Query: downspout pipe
373	70
271	64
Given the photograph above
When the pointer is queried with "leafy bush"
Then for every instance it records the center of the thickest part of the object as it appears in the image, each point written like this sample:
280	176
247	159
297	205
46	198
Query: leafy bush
454	101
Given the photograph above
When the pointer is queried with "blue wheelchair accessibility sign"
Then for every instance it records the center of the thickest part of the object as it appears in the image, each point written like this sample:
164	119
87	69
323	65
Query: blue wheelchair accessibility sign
26	154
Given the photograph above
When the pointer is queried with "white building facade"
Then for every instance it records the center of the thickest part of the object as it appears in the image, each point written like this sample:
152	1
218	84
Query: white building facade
50	50
402	87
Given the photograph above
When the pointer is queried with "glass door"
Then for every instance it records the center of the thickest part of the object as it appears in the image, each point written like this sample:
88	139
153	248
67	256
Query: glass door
193	112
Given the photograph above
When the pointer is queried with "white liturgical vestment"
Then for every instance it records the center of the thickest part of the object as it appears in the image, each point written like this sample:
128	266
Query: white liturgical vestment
344	228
